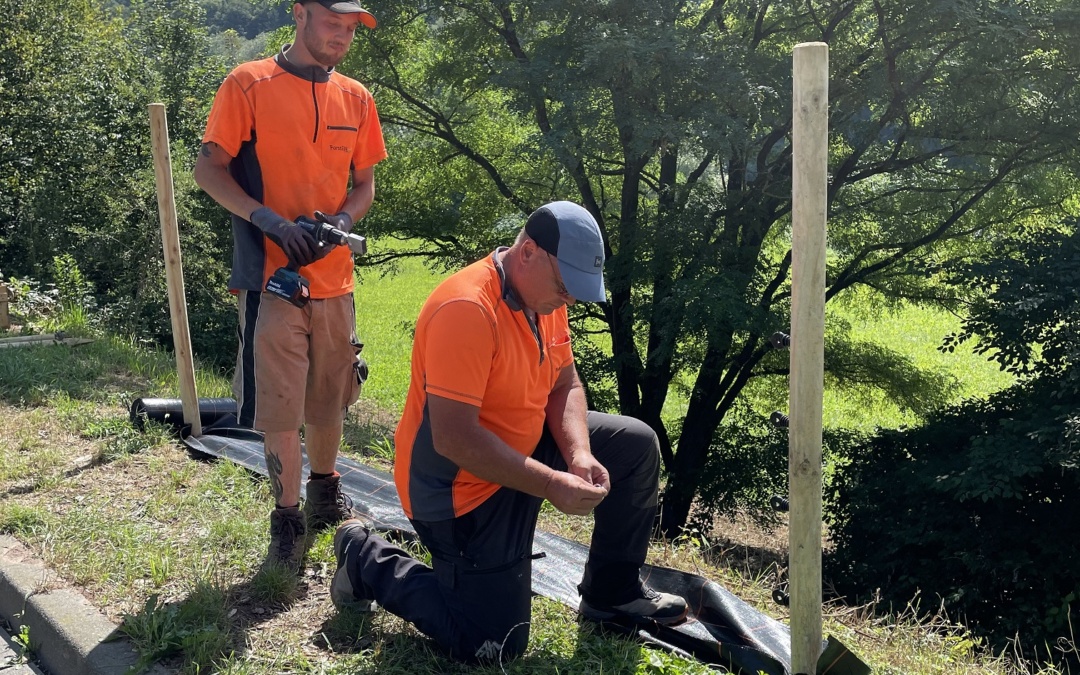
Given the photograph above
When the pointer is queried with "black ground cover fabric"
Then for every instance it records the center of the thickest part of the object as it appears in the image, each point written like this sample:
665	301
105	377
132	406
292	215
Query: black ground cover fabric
722	630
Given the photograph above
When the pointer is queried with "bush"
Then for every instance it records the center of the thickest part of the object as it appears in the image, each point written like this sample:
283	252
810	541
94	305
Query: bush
980	506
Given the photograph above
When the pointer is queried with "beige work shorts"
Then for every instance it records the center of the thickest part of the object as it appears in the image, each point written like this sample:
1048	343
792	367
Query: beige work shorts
307	362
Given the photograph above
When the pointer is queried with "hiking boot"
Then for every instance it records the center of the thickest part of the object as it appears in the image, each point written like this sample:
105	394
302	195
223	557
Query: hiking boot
349	537
663	608
326	504
288	538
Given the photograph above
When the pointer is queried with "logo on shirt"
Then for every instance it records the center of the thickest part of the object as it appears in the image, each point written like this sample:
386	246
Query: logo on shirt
598	262
340	148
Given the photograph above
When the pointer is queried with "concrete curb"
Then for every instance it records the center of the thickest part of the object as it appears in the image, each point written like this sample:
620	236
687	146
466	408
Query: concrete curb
68	635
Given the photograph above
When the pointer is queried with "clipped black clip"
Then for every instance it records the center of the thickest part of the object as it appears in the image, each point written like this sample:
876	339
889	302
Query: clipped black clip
779	419
780	340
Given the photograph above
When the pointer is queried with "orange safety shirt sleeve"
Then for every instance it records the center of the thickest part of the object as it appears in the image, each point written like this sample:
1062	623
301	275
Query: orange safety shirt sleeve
458	352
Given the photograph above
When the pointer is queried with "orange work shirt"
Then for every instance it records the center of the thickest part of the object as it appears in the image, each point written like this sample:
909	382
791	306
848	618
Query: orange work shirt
296	133
474	346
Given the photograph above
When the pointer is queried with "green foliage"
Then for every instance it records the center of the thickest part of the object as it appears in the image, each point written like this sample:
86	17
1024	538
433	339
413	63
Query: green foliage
246	17
977	507
1026	310
76	175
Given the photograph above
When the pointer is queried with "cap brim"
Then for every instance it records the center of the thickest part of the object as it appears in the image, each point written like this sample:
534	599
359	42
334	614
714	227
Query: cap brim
584	286
366	17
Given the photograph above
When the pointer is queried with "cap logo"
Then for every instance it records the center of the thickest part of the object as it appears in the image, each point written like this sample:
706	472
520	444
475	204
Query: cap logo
598	262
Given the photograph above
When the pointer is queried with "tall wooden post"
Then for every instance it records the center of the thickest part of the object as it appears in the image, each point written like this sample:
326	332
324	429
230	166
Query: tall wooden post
5	318
174	271
810	136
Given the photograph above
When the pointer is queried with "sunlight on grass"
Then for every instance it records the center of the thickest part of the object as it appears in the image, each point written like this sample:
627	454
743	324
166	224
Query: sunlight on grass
916	333
387	306
386	311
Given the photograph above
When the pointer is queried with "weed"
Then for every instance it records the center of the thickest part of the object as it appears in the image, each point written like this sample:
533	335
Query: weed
194	627
24	521
274	584
22	638
382	448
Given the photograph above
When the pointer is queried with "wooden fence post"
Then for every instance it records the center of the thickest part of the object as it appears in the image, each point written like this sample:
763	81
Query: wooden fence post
810	148
174	271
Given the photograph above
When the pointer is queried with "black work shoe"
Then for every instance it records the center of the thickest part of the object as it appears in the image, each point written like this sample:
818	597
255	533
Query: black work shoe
663	608
288	538
326	504
349	537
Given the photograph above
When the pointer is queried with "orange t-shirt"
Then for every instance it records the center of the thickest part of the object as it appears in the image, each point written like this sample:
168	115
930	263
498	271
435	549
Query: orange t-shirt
472	347
295	133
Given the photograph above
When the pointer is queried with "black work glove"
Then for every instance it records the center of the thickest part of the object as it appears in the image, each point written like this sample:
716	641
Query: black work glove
342	221
297	243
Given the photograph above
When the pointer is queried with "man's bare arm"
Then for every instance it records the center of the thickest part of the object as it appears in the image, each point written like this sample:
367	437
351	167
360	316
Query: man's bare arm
361	195
212	175
459	436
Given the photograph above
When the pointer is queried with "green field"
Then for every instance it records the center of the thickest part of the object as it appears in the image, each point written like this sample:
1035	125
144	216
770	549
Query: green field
916	333
386	310
387	306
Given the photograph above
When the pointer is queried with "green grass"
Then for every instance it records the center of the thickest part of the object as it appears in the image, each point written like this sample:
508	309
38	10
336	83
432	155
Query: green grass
916	333
388	304
386	310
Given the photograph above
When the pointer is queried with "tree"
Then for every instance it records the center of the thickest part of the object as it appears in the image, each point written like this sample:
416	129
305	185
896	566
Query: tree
76	174
670	121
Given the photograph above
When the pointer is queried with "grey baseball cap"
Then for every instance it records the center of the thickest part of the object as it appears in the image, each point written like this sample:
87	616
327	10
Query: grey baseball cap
570	233
348	7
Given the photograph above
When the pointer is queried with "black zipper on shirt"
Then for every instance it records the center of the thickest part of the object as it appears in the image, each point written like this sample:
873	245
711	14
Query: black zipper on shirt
535	326
315	101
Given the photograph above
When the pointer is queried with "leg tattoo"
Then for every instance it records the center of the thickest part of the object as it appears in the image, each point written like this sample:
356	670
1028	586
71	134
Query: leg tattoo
273	471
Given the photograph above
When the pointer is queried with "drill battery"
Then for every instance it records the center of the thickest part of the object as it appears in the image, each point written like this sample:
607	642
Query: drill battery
288	285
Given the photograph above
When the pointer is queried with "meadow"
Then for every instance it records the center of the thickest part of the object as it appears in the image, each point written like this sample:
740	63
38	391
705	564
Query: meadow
387	304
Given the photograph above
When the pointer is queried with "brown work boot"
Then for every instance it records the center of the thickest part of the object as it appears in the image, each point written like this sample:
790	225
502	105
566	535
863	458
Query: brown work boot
288	538
326	505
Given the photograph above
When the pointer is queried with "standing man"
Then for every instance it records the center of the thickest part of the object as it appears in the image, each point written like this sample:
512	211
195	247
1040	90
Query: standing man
494	423
285	137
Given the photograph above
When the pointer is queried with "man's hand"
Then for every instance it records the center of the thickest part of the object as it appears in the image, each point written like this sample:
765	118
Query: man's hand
297	243
341	221
586	467
572	494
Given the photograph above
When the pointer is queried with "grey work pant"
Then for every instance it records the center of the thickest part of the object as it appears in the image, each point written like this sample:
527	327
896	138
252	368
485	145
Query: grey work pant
476	601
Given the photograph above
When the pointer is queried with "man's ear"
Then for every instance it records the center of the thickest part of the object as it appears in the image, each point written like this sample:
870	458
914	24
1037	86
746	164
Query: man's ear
298	12
529	248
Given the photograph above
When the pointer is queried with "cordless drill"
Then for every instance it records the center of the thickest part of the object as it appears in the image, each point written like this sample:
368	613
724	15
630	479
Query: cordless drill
286	282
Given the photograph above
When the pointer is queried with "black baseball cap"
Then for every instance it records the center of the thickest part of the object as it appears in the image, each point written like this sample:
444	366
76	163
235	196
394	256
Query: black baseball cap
347	7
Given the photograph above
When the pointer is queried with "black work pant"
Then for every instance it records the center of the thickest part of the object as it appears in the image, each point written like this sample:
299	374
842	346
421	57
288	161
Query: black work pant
476	600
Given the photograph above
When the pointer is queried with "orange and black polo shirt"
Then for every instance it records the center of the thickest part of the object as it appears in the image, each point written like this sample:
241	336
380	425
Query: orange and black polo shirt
474	345
295	134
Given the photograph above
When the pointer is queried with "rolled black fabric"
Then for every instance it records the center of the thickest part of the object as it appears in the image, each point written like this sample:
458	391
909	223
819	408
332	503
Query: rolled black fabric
171	411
